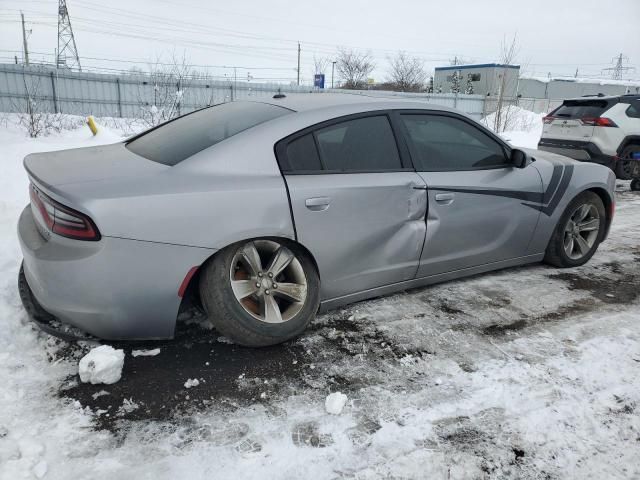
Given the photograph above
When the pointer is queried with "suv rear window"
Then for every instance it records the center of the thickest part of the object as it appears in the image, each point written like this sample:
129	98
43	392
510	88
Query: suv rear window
178	139
581	108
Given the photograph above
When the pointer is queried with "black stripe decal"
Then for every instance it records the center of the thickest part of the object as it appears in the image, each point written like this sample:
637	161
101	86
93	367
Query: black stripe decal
548	201
562	188
558	170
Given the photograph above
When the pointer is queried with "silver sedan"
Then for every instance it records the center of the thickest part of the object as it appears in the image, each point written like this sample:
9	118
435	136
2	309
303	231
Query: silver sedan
265	212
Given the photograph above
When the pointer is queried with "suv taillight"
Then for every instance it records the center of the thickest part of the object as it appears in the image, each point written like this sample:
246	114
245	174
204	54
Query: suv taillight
548	119
63	220
598	122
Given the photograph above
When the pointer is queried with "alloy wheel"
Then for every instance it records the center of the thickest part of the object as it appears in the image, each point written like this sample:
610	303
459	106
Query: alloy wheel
581	231
268	281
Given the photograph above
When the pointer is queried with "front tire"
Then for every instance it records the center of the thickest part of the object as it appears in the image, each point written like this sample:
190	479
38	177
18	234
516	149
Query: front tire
260	292
580	230
635	185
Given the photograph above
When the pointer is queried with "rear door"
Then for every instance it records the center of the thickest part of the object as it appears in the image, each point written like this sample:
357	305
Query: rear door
478	212
357	206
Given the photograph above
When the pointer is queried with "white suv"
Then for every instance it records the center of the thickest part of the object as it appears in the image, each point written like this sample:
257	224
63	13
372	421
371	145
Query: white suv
598	129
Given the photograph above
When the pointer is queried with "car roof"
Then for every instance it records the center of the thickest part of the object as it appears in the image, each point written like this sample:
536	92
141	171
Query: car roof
306	102
625	97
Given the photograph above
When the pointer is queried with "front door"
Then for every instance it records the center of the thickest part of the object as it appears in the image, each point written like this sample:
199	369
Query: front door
356	207
478	212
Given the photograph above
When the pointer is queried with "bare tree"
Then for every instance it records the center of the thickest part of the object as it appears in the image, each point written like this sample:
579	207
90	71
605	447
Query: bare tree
320	64
35	114
509	50
407	73
354	67
169	82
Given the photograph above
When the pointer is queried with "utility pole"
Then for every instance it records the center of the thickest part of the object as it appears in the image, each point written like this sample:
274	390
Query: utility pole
333	66
24	41
66	40
298	63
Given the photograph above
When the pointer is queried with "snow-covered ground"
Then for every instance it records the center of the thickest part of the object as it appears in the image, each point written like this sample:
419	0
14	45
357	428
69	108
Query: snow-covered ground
525	373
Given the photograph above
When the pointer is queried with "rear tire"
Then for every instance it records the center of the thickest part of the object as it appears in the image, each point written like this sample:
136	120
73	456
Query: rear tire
580	230
623	170
635	185
260	292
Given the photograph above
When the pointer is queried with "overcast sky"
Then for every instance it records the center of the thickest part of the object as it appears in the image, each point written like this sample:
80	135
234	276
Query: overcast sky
555	36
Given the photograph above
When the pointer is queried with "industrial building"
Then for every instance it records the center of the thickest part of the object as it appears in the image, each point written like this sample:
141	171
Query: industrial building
485	79
561	88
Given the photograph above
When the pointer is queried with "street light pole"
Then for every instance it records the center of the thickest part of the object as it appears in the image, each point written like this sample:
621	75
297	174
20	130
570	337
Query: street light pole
333	64
298	63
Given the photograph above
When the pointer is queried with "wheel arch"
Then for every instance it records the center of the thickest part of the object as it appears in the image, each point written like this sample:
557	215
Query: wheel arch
609	205
191	296
628	140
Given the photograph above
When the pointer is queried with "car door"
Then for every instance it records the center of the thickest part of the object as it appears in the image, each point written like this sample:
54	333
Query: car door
477	213
356	205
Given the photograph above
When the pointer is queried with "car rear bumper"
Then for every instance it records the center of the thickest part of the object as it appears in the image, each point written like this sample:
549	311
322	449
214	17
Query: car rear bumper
114	289
583	151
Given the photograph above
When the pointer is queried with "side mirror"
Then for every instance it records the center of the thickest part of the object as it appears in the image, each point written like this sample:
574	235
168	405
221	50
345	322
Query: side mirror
519	159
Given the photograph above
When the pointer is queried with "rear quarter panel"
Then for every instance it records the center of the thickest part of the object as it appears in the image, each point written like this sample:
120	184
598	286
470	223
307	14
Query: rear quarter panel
227	193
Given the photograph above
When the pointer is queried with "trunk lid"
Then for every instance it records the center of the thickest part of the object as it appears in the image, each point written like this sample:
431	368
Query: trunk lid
569	129
566	119
88	164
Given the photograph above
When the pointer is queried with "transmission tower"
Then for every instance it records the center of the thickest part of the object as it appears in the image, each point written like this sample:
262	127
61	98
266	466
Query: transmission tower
619	69
67	50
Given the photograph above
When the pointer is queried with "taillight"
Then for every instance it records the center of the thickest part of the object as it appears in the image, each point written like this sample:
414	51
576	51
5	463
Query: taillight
548	119
63	220
598	122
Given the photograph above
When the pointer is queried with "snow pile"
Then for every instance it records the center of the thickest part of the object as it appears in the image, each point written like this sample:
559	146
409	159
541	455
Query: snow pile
103	364
522	128
191	382
335	402
145	353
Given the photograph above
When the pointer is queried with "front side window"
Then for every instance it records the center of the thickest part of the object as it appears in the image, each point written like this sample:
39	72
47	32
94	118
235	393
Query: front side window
185	136
441	143
362	144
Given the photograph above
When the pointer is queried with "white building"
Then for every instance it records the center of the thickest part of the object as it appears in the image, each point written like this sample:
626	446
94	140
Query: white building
487	79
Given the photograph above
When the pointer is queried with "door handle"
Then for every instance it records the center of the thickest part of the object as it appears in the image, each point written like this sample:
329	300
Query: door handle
317	204
445	198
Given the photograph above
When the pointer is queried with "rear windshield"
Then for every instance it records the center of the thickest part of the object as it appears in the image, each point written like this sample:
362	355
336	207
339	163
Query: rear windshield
581	108
178	139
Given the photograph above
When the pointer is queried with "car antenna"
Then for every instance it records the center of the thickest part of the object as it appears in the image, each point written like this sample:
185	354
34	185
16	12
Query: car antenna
279	94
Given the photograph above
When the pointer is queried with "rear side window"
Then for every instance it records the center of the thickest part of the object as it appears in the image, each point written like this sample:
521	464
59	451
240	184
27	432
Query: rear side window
177	140
634	109
362	144
303	155
581	108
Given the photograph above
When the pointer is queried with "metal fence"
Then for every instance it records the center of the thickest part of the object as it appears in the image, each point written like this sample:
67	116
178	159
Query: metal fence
46	89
